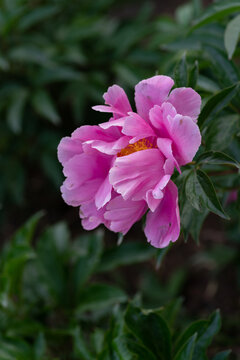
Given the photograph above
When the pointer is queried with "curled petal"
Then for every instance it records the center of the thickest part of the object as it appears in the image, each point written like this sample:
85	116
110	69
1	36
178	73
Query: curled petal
183	133
150	92
117	100
91	216
163	225
68	148
137	128
186	102
103	194
133	175
110	148
85	173
122	214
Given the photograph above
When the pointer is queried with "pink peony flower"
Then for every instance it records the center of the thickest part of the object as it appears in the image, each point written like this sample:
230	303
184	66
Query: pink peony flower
120	169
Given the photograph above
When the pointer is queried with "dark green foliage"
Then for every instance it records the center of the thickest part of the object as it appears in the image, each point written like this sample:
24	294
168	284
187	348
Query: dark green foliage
50	307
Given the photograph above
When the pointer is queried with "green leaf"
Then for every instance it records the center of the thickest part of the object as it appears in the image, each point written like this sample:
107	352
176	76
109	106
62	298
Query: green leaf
29	54
121	348
15	110
224	70
161	254
52	266
85	264
186	351
170	311
197	7
231	36
125	254
201	193
223	355
205	329
217	158
204	338
184	14
97	340
14	349
206	84
79	346
24	235
60	236
99	296
216	12
220	132
152	331
37	15
44	106
58	73
40	347
216	103
180	72
126	346
193	75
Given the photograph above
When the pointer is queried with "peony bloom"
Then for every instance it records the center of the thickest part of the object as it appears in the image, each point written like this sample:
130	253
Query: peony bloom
121	169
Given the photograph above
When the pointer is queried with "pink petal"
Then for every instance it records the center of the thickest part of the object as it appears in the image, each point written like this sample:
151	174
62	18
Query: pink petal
68	148
110	148
186	101
80	194
160	118
154	196
106	109
163	225
84	173
186	138
136	127
165	146
180	130
118	122
122	214
91	217
103	194
150	92
94	132
133	175
117	100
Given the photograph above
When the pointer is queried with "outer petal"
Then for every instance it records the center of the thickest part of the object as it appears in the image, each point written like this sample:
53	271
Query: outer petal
154	196
103	194
136	127
85	173
117	100
110	148
94	132
91	217
186	101
186	138
150	92
122	214
68	148
163	225
133	175
80	194
181	130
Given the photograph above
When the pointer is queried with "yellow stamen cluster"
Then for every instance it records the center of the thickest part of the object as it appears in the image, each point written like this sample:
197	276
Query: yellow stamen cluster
142	144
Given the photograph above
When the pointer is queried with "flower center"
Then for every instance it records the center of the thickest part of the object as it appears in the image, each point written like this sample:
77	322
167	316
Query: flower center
143	144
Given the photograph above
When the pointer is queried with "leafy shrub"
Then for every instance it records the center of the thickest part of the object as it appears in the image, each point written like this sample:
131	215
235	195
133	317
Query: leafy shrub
54	303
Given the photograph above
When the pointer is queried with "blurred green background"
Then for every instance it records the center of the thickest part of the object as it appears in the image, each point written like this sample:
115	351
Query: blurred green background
57	58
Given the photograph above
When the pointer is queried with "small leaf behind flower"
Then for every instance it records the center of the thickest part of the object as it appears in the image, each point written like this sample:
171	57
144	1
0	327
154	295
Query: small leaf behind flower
217	158
231	36
201	193
216	103
180	72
